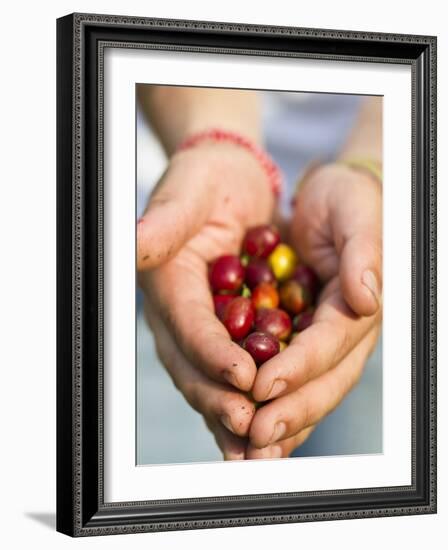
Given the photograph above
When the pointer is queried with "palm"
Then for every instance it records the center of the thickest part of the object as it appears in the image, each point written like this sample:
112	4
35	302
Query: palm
314	235
204	202
312	231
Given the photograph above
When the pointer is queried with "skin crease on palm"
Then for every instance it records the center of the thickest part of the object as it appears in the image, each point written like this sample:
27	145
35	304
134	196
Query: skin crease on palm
335	228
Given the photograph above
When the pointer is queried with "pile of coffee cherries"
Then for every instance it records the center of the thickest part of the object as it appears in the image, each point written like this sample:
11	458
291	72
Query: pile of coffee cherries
265	296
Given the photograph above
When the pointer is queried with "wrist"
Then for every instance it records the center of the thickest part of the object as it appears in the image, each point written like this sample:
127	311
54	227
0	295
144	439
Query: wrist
213	137
331	172
364	164
224	168
178	112
338	170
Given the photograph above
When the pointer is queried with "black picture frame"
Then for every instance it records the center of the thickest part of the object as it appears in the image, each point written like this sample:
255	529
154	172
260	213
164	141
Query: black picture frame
81	510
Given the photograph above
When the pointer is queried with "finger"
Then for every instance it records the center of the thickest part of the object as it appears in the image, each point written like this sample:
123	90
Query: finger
359	244
281	449
181	294
361	273
232	447
288	415
216	402
335	331
176	211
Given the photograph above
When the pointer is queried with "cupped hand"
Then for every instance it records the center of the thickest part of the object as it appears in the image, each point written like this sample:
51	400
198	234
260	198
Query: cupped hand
201	208
337	229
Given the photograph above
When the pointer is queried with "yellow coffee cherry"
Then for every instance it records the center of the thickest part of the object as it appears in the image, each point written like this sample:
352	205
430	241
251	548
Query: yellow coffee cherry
283	261
283	345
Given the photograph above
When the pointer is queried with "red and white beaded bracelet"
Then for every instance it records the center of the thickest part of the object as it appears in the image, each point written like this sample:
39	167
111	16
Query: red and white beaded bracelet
217	134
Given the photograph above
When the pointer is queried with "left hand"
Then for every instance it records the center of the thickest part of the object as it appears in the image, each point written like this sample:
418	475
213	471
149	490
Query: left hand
337	229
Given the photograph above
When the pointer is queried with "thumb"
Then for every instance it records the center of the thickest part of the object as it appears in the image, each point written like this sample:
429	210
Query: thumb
178	208
361	273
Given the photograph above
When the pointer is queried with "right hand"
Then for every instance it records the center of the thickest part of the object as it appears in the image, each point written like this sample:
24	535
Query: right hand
336	228
207	198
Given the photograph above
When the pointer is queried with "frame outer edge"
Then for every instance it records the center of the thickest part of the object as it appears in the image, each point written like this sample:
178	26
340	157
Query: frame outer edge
77	222
222	26
70	519
65	372
433	273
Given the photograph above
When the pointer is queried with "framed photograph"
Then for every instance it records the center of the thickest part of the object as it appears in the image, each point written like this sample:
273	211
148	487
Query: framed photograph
246	224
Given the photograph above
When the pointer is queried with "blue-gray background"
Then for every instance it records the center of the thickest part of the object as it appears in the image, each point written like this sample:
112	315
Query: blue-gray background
298	127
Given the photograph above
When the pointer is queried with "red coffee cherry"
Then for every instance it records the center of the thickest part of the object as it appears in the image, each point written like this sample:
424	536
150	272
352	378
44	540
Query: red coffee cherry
226	273
257	272
303	320
261	346
306	277
220	301
261	240
238	317
273	321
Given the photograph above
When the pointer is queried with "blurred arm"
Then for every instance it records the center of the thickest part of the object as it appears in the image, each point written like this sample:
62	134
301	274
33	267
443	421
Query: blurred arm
366	137
176	112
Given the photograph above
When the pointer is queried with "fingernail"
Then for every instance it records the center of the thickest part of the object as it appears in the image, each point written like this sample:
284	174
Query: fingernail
370	281
226	421
232	455
276	452
277	387
231	378
279	430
